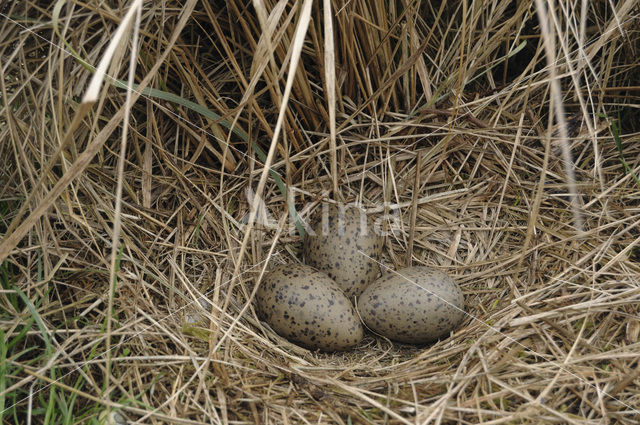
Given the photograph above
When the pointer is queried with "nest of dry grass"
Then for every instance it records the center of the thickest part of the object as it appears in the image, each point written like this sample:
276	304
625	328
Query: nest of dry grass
441	122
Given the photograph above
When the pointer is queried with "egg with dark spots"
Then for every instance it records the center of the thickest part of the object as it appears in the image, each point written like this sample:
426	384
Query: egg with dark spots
343	243
305	306
414	305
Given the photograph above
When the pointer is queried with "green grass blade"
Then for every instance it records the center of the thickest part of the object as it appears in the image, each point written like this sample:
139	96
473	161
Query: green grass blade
615	130
36	317
6	283
21	334
3	374
173	98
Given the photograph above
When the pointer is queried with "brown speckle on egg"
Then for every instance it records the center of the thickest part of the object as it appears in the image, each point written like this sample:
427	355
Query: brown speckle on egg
305	306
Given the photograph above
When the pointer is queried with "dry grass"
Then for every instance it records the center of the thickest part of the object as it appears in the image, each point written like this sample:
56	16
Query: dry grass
553	326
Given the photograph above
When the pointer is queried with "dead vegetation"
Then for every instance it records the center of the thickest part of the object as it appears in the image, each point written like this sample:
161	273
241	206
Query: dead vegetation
444	125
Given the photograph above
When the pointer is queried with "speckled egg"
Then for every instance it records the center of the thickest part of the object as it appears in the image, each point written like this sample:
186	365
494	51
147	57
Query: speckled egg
413	305
335	246
305	306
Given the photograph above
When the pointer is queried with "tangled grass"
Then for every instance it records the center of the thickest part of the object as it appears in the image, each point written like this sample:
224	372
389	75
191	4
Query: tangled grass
499	150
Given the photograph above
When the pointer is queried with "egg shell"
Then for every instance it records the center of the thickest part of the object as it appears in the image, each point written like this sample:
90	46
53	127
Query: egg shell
305	306
336	247
414	305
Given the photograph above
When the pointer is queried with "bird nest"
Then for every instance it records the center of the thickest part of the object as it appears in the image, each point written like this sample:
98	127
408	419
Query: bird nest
495	146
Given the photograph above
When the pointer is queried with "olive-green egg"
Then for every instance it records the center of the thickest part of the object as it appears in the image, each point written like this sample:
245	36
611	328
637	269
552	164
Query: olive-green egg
413	305
305	306
343	243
